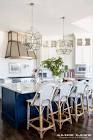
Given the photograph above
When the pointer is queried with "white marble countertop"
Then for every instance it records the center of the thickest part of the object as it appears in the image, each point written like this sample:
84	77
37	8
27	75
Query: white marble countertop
22	88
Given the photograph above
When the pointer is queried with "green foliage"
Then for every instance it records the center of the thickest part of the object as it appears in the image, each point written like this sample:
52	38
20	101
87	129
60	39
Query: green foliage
55	65
66	67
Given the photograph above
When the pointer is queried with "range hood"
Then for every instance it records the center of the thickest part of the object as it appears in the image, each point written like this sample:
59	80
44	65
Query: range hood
15	49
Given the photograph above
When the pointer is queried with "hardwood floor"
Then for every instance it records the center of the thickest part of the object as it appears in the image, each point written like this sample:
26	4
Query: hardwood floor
79	131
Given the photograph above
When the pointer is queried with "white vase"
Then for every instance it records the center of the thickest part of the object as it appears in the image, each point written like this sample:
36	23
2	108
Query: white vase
59	78
56	79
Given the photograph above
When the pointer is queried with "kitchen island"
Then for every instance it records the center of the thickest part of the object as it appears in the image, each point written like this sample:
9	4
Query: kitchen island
14	106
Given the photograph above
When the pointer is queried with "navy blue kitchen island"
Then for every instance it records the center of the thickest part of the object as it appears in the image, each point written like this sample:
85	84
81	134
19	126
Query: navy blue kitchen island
14	106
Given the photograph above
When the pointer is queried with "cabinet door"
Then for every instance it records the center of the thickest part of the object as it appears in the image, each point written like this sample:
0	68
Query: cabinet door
8	103
21	108
87	52
84	51
83	42
79	55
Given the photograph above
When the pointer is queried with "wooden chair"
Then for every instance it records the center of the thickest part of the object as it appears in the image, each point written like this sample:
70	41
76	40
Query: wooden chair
89	94
41	100
77	96
61	100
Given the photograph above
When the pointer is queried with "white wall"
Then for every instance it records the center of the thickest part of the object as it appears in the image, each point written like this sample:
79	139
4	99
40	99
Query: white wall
26	67
3	43
51	52
48	52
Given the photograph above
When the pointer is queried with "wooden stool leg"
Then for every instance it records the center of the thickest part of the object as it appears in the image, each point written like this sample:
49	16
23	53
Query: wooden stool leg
87	103
76	117
82	104
71	104
59	115
63	108
41	121
69	112
92	101
52	117
28	115
47	113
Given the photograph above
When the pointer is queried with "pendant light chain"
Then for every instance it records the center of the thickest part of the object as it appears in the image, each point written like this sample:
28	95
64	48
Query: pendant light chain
63	18
32	15
33	39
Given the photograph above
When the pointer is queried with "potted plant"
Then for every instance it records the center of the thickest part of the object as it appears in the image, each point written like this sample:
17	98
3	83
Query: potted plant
55	65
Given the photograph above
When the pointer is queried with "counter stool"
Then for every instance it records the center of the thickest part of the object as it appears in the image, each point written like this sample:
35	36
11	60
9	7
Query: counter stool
61	100
77	95
90	96
41	100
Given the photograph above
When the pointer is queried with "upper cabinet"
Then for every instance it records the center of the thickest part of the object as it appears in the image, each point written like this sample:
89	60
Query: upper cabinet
84	49
84	42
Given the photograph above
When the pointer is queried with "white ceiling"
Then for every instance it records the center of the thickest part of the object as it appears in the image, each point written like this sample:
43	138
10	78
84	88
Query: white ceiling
85	23
16	15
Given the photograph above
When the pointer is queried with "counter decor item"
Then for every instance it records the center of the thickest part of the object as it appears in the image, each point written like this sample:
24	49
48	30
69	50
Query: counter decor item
55	65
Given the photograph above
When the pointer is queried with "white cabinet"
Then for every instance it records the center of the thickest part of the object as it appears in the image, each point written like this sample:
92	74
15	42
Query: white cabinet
83	49
86	41
84	55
